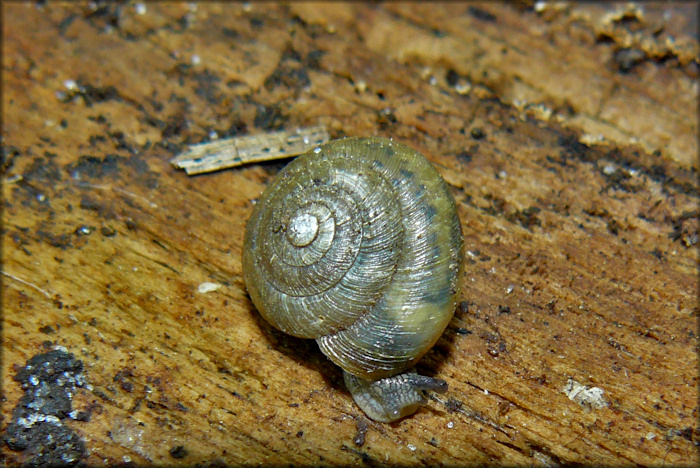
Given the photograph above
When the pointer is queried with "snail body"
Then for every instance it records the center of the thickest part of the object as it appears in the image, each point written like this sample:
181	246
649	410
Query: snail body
358	245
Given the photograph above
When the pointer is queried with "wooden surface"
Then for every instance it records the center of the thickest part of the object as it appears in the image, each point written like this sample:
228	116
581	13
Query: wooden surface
568	134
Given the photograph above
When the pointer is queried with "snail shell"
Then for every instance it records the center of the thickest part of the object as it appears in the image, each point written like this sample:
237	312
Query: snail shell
358	245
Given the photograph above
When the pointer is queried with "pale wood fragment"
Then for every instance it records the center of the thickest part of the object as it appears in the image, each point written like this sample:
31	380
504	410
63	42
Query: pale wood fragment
236	151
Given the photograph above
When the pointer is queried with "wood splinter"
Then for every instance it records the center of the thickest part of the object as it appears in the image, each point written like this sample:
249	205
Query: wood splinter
236	151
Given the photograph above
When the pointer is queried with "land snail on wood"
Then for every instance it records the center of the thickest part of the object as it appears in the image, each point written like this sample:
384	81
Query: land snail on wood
358	245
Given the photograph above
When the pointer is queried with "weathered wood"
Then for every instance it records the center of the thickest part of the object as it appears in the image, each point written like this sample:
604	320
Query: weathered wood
568	134
239	150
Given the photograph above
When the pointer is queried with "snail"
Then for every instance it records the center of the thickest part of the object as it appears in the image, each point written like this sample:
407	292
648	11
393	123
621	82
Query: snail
358	245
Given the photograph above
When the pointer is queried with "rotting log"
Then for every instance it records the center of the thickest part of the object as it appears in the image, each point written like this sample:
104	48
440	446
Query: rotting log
568	134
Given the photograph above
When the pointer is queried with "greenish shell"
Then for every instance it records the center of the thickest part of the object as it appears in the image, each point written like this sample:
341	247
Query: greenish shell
358	245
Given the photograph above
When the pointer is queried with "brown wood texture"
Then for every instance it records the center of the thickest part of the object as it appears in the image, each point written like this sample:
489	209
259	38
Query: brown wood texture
568	134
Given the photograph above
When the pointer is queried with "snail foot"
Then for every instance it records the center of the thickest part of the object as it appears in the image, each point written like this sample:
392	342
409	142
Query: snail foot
392	398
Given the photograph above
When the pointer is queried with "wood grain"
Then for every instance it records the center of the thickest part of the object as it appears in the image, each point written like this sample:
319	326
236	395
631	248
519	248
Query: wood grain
569	137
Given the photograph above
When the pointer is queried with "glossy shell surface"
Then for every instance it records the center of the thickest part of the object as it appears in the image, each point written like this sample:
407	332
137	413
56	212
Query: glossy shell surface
358	245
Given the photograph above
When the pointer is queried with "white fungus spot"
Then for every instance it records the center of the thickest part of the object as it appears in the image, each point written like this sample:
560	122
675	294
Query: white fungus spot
609	169
463	88
207	287
590	397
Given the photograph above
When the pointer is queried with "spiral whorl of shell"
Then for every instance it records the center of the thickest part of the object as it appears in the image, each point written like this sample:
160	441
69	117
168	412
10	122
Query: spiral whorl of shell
358	245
